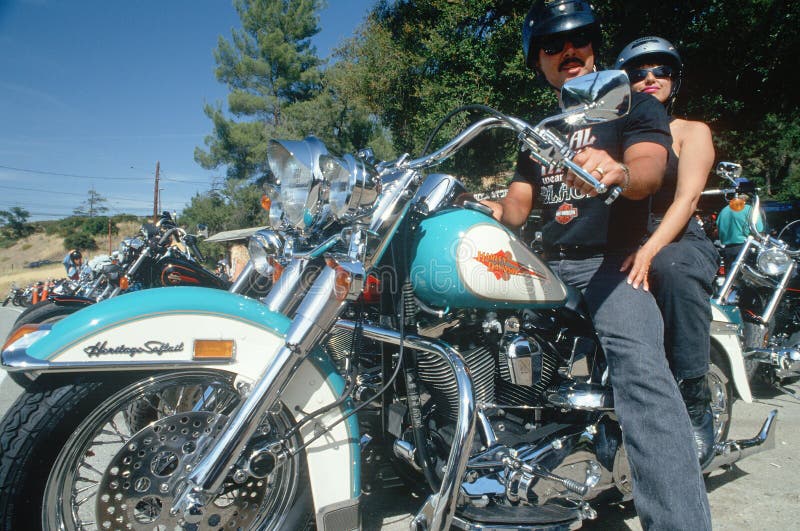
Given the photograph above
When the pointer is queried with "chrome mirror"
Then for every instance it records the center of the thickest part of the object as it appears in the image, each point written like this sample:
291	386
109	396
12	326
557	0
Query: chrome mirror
729	171
596	97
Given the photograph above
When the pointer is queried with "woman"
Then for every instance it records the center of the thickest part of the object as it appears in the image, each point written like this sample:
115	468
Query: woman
678	262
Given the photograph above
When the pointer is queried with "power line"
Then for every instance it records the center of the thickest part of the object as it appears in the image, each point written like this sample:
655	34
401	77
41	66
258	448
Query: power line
116	197
78	176
57	174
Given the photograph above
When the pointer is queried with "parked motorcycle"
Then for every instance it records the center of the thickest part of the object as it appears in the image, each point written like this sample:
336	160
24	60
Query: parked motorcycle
162	255
763	285
199	408
14	296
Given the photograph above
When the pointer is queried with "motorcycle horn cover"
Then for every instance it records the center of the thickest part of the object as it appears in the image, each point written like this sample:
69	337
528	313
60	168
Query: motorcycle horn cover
549	17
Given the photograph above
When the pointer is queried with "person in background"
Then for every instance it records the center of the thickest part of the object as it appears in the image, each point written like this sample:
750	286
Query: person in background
734	226
678	262
586	241
73	262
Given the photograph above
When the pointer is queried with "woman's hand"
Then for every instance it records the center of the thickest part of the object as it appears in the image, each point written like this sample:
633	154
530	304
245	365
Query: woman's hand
639	264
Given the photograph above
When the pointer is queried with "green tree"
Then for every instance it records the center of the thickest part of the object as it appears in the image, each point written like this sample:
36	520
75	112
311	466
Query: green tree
416	60
95	204
268	66
15	223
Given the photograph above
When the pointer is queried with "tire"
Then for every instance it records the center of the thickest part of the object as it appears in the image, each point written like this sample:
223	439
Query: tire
44	312
69	458
5	302
722	397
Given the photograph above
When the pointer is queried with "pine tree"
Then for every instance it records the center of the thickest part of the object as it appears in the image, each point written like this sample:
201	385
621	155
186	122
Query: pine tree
269	65
93	206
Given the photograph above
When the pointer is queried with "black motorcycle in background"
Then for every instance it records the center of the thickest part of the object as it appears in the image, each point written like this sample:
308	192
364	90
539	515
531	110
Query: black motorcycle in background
161	255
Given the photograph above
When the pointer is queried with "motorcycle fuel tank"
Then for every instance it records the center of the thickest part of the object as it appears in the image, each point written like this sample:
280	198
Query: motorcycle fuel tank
465	259
176	272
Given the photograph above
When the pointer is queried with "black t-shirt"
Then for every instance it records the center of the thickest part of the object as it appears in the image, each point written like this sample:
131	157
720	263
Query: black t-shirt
574	219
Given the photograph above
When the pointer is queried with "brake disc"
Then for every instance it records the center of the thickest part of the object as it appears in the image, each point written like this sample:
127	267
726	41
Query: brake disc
144	477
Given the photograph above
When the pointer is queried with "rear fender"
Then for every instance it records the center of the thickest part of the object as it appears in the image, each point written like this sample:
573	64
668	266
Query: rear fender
725	333
158	329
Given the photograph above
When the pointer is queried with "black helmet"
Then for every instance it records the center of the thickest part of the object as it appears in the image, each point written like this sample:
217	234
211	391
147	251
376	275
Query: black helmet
654	49
549	17
75	255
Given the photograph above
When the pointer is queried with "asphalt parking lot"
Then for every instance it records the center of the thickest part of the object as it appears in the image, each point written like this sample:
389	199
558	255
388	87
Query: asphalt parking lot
761	492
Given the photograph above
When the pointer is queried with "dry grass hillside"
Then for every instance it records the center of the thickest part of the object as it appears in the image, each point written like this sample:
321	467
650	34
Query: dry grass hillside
41	246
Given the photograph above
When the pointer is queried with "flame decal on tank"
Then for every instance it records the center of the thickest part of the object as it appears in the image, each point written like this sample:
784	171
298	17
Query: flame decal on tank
502	265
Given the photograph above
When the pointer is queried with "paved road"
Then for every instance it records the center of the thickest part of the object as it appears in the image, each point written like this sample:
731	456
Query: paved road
761	492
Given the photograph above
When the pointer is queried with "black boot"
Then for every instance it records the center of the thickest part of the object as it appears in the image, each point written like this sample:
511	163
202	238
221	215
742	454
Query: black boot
697	397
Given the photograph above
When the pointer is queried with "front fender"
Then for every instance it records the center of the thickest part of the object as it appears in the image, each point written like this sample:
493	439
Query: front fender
725	332
158	329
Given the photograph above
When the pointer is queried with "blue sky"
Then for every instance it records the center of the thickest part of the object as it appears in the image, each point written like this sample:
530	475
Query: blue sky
97	91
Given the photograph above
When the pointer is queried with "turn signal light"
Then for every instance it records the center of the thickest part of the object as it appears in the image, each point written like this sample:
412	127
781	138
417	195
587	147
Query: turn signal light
266	203
22	331
277	269
342	279
124	284
213	349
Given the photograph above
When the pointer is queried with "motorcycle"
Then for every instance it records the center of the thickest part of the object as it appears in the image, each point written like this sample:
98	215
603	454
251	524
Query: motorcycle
200	408
763	286
14	296
143	262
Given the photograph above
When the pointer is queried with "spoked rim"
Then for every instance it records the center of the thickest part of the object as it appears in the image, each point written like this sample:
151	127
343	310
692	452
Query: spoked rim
117	472
719	404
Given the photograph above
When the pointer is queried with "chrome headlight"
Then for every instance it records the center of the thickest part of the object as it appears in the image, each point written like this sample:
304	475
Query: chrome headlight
262	246
350	184
773	262
296	165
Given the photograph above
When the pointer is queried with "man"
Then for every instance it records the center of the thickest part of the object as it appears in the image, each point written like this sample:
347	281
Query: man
587	241
733	224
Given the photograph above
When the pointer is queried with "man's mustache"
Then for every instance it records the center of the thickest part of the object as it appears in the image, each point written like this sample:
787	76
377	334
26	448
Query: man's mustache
570	61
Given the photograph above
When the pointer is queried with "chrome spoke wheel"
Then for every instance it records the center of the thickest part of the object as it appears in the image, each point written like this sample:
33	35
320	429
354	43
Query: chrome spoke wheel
721	398
123	471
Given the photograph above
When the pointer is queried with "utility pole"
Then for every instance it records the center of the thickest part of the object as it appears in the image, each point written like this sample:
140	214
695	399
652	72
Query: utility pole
155	194
109	235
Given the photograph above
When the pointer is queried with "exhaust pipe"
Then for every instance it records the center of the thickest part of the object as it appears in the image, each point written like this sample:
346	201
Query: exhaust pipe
729	452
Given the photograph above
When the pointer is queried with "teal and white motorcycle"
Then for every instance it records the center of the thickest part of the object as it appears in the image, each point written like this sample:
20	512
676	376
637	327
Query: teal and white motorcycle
200	409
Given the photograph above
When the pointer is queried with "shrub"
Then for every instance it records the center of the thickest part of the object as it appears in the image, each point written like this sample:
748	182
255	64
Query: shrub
80	240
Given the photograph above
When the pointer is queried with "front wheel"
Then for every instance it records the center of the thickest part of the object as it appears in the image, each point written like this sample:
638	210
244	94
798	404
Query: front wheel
43	313
721	395
73	459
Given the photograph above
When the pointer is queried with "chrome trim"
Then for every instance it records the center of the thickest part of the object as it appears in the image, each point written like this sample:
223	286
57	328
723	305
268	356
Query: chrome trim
439	190
734	269
720	328
316	315
243	280
582	396
460	523
353	503
438	511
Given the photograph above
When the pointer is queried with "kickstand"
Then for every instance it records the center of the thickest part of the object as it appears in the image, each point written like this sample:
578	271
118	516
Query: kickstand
790	392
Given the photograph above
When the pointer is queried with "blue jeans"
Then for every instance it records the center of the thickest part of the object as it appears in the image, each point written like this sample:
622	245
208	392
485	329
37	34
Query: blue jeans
681	276
668	488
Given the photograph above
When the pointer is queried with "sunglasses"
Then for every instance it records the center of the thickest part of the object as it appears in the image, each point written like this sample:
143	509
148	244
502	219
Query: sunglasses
661	72
555	44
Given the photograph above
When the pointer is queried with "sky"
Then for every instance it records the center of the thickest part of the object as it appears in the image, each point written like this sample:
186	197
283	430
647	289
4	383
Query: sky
94	92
